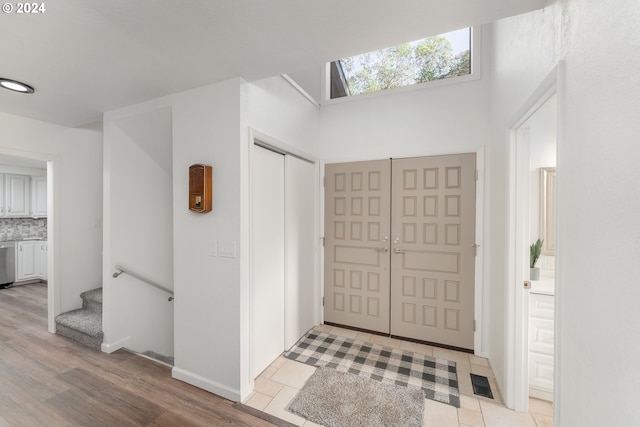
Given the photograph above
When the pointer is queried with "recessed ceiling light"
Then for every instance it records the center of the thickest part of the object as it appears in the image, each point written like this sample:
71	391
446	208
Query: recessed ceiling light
16	86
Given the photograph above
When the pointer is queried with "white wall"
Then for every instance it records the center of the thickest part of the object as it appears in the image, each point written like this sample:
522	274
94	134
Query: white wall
598	208
520	62
439	119
310	81
543	127
273	107
76	223
281	115
598	326
543	133
138	229
208	335
211	316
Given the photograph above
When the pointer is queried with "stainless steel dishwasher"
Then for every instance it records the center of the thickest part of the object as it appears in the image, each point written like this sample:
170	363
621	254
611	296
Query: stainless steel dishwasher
7	263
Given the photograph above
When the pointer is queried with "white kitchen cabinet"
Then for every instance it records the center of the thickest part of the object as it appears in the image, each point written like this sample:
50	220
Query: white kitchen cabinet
31	260
41	261
2	195
541	345
16	195
39	196
26	261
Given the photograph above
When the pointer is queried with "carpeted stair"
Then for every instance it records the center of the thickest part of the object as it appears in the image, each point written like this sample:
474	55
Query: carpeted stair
84	325
167	360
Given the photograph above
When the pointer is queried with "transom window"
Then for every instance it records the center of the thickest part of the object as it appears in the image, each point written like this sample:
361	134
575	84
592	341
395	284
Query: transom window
433	58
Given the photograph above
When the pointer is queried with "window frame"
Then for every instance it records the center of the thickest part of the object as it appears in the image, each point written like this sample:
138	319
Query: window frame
476	66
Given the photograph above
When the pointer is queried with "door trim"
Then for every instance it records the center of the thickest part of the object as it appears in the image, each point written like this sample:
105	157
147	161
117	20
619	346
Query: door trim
481	311
265	141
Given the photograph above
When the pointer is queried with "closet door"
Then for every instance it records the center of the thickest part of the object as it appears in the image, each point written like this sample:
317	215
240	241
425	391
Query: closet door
267	257
301	241
357	226
433	249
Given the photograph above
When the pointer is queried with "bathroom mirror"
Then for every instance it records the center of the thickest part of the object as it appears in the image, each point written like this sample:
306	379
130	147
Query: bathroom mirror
548	210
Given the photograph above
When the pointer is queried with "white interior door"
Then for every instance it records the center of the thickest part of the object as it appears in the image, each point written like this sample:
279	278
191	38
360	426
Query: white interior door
301	301
267	257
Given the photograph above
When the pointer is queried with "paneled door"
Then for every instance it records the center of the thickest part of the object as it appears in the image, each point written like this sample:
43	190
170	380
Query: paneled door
357	230
400	247
433	249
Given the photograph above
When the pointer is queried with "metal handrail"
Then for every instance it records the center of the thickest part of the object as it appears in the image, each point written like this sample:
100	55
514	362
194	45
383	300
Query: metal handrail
156	285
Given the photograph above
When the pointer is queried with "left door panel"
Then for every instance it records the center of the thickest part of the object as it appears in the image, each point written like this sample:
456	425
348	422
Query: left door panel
357	230
267	257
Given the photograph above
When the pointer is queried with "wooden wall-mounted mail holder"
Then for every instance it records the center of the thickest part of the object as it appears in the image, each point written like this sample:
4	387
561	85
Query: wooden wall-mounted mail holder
200	191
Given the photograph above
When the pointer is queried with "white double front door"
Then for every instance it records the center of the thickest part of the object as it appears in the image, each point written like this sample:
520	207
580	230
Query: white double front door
400	247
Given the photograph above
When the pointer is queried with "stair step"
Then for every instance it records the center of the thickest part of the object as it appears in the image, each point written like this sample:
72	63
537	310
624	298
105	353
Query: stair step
92	300
83	326
92	295
168	360
82	320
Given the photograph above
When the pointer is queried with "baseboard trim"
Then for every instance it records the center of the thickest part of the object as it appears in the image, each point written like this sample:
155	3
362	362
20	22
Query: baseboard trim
541	394
262	415
206	384
114	346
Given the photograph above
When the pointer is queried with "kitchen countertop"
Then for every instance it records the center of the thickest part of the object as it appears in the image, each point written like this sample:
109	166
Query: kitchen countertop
25	239
546	285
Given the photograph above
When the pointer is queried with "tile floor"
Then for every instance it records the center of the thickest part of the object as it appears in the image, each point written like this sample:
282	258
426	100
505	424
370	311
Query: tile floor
283	379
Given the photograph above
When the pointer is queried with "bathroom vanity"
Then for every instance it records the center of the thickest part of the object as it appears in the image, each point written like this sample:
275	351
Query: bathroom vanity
541	336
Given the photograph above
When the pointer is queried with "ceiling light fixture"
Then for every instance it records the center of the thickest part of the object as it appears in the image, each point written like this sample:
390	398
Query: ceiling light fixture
16	86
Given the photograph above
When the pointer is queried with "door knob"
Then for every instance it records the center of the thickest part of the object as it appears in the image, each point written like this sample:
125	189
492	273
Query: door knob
398	251
383	249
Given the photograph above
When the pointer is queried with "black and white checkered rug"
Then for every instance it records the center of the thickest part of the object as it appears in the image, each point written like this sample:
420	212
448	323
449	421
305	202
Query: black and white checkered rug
437	378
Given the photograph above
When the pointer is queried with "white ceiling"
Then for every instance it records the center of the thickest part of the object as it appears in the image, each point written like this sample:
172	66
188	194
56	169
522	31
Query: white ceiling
85	57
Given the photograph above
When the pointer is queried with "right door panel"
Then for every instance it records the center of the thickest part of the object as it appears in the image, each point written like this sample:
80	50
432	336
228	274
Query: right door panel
433	249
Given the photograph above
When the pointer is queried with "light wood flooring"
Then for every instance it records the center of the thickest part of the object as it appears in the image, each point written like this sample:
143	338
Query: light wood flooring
48	380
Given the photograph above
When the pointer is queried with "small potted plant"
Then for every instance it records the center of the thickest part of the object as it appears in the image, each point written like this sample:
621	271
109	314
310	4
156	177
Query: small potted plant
534	254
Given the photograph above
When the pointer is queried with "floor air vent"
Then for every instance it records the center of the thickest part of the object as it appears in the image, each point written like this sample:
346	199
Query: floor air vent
481	386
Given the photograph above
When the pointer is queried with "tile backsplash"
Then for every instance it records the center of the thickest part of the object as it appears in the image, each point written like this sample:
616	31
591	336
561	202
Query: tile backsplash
22	228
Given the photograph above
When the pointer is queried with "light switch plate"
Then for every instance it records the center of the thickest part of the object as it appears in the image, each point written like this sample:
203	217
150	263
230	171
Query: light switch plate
226	249
213	248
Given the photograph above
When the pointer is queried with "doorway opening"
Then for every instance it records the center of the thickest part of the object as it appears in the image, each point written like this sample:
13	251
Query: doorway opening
535	133
284	236
27	179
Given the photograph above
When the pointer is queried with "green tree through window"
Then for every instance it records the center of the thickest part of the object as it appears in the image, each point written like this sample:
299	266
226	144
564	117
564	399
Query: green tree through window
406	64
